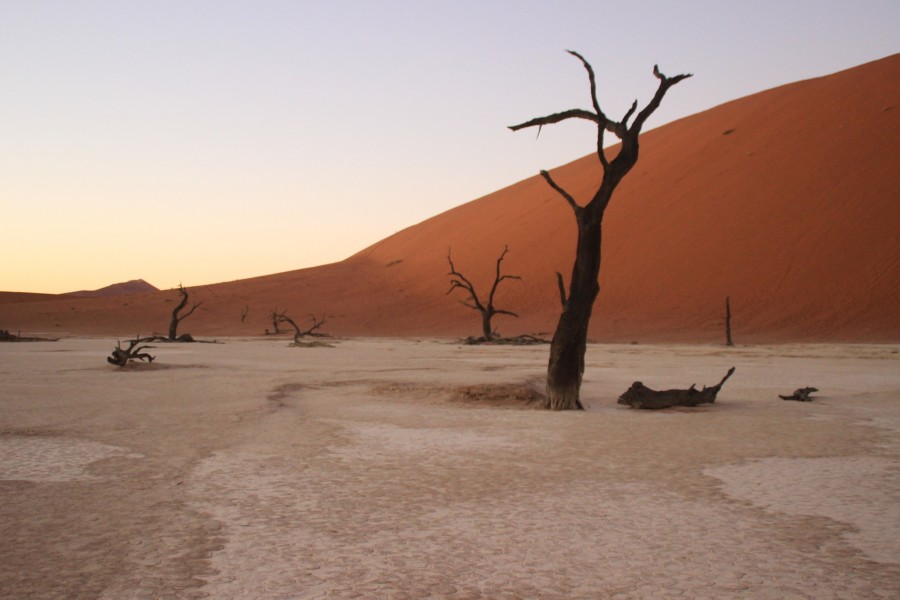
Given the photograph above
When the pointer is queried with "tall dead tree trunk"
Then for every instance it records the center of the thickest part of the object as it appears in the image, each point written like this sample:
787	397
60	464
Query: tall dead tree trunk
178	318
487	309
566	365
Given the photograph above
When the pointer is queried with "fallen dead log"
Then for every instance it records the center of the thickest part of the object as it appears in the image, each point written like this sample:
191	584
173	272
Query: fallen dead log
800	395
640	396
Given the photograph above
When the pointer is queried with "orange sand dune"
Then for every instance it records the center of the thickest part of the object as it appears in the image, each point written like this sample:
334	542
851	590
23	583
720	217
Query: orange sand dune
787	201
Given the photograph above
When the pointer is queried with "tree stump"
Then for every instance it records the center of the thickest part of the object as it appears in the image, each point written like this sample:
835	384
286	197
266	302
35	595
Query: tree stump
640	396
800	395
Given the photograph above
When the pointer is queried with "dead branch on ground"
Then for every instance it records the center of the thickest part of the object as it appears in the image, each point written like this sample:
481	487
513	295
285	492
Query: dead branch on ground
640	396
122	356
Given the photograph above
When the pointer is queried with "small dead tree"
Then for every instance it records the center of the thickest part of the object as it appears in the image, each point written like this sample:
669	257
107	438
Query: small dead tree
487	309
276	318
177	318
566	365
122	356
301	333
728	341
244	312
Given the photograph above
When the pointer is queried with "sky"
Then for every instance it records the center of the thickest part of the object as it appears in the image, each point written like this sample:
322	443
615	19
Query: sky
205	141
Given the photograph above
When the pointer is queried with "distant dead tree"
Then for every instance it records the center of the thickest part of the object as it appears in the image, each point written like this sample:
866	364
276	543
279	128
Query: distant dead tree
300	333
487	309
728	341
244	312
567	350
276	318
122	356
177	317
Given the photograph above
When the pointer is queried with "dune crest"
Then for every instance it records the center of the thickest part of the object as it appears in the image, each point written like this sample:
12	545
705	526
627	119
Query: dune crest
786	201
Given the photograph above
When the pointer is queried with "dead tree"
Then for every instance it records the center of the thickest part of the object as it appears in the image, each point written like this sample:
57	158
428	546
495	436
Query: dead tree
244	312
487	309
177	318
276	318
566	365
122	356
640	396
301	333
728	341
6	336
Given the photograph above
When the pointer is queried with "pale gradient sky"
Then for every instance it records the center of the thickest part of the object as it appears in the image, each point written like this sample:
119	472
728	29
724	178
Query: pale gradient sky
206	141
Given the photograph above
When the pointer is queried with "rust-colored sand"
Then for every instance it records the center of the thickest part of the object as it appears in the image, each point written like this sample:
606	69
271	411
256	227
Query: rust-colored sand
787	201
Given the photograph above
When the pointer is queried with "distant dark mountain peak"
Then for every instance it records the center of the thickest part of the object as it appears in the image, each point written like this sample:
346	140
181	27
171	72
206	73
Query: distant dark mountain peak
135	286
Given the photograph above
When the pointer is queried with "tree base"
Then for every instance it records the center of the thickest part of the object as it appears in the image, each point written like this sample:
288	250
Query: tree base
563	397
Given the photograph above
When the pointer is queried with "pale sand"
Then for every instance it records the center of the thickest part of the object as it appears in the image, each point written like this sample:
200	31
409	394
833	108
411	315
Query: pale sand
253	470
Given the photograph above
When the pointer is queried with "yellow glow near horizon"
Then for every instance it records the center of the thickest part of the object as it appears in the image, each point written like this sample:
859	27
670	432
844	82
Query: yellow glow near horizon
207	142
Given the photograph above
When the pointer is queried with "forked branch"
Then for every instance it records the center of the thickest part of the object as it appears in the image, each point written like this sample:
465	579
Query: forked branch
620	129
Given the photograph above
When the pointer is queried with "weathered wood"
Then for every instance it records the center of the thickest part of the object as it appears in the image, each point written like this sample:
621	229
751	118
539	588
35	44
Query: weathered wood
566	365
800	395
640	396
122	356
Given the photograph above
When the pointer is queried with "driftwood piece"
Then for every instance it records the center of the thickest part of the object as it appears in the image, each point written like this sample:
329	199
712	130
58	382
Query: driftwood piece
122	356
640	396
800	395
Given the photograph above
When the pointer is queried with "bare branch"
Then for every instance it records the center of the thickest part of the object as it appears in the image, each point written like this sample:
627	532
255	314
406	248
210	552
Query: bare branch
575	113
568	197
624	122
664	84
562	289
458	280
593	81
498	278
602	121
